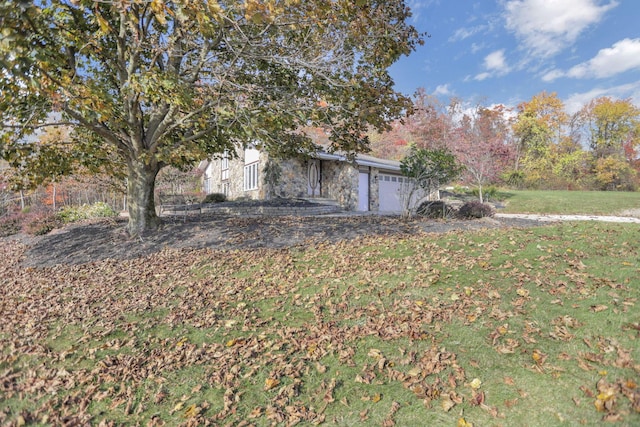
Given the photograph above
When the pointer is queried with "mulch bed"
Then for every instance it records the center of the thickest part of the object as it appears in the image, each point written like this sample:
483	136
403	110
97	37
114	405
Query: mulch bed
106	239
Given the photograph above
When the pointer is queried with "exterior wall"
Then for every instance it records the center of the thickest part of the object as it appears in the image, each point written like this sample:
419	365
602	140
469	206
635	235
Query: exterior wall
293	178
339	181
374	189
233	187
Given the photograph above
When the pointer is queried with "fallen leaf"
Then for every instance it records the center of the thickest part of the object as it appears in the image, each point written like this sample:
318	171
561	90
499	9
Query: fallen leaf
191	411
446	403
271	383
539	357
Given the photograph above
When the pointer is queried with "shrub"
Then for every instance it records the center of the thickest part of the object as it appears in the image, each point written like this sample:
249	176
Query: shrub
514	178
490	192
435	209
39	223
100	210
215	198
77	213
70	214
10	224
475	209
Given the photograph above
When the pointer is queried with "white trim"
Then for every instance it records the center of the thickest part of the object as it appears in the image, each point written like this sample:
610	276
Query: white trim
251	155
362	160
251	176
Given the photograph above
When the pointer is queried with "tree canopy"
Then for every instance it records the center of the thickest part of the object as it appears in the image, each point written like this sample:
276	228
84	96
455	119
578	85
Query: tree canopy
144	84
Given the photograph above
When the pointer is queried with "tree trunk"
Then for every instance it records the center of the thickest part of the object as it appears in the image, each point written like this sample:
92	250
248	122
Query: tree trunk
140	198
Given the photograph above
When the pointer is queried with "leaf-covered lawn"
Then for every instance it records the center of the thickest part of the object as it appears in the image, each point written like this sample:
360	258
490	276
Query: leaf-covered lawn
495	327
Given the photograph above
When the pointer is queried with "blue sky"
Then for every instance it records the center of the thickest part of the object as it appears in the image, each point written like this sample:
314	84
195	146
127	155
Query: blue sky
506	51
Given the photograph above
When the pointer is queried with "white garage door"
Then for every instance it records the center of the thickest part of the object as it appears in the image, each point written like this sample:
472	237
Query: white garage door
390	188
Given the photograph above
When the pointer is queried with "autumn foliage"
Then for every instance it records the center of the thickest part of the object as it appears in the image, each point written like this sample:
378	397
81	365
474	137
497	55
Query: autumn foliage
537	145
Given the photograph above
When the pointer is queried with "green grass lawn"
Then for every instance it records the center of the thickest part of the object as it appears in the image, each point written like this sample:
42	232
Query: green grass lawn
570	202
533	327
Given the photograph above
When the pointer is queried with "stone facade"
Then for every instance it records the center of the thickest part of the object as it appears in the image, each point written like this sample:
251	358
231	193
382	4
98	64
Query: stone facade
374	190
230	181
338	179
293	179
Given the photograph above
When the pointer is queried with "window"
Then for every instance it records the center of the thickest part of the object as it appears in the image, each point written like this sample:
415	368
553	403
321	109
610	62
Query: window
251	177
225	166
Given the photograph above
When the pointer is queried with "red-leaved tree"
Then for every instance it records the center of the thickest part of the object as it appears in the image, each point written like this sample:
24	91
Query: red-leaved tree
481	144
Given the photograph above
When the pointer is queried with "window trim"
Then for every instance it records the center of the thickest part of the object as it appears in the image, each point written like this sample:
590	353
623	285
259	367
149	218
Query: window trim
251	173
224	166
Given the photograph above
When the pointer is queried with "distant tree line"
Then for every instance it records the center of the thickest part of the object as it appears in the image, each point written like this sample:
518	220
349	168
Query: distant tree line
537	145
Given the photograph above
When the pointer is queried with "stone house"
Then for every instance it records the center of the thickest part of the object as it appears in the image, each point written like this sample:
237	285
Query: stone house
365	184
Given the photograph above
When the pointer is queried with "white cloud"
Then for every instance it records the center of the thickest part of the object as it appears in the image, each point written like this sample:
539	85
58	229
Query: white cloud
496	61
547	27
552	75
482	76
475	47
622	56
442	90
464	32
416	7
627	91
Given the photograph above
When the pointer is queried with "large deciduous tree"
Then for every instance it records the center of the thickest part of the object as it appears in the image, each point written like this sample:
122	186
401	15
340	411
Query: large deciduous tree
538	126
145	84
610	127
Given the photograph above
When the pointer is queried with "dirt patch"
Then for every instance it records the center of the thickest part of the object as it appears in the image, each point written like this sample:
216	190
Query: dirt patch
98	240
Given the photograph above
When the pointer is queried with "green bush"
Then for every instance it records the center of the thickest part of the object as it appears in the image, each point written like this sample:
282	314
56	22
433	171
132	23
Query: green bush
460	190
490	192
215	198
70	214
514	179
475	209
100	210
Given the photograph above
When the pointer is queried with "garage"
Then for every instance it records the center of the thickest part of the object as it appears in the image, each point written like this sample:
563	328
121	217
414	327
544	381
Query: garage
390	187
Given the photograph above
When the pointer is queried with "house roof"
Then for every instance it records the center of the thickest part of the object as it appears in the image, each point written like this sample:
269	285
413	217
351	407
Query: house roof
362	160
